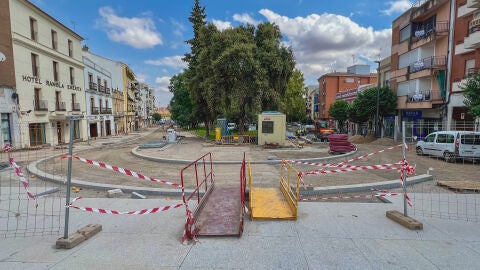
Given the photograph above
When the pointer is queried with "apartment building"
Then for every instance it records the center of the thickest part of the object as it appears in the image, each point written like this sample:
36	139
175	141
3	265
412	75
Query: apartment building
420	42
45	75
114	78
466	59
98	94
130	96
331	84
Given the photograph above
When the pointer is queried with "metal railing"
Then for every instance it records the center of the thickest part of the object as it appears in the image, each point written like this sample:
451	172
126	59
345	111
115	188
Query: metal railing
76	107
41	105
290	176
106	111
427	63
92	86
60	106
94	110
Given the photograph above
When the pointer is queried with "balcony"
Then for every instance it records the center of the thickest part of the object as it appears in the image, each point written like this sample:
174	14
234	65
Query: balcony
430	33
102	89
473	4
420	99
60	106
94	111
106	111
108	91
473	39
92	86
423	9
467	9
76	107
41	106
433	62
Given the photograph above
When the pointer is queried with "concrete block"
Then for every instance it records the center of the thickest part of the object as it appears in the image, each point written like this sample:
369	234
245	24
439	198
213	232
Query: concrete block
136	195
90	230
73	240
112	193
407	222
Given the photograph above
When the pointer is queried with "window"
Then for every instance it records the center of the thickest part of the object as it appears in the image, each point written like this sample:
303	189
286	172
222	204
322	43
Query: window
55	71
54	40
35	69
33	29
405	33
267	127
99	83
472	139
70	48
469	67
72	76
5	126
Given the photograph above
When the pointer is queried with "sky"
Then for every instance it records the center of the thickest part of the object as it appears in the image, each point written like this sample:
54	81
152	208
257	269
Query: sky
150	35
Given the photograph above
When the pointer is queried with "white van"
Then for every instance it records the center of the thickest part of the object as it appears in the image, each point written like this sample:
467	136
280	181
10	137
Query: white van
451	145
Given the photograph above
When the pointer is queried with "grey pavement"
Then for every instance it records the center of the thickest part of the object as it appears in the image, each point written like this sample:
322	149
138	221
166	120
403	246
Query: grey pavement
327	235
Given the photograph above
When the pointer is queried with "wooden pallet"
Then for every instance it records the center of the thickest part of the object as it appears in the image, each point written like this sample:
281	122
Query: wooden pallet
461	186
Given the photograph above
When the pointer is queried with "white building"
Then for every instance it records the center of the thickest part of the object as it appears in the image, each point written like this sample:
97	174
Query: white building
47	75
98	94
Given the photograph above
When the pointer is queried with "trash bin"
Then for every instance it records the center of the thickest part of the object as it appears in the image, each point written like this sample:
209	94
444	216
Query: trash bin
218	134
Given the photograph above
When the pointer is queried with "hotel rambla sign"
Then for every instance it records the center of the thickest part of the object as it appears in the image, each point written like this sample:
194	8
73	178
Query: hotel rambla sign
36	80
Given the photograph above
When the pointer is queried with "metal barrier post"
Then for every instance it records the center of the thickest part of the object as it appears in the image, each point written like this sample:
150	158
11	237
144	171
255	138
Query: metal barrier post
69	175
404	172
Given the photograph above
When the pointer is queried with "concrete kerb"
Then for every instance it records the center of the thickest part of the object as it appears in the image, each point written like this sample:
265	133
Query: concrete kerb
32	169
136	153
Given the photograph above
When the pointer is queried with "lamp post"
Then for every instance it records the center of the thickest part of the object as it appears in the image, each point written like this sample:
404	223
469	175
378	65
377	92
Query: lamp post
377	133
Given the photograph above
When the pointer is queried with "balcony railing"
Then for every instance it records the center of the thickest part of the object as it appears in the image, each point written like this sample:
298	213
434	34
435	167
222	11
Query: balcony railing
102	89
92	86
425	95
60	106
108	91
94	110
106	111
470	72
427	63
76	107
41	105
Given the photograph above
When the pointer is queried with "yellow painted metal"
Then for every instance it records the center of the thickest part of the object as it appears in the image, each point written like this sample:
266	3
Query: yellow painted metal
269	203
276	203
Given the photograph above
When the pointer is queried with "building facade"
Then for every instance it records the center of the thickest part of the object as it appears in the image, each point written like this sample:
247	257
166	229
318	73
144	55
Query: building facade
98	97
419	65
47	77
331	84
466	60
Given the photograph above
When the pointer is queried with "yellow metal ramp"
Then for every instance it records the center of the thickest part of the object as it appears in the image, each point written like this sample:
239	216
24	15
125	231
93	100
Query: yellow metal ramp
269	203
277	202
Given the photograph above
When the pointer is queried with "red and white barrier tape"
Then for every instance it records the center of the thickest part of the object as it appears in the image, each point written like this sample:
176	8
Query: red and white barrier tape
350	168
349	197
21	176
123	171
409	170
347	161
189	231
114	212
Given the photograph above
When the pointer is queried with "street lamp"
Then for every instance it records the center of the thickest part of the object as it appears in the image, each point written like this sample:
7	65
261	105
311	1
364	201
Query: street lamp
377	133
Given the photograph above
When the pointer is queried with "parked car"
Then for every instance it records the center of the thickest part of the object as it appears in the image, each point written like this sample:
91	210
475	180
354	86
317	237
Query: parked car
450	145
231	126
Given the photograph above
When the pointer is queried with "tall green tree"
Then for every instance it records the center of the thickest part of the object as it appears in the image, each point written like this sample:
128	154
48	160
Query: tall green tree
364	107
195	75
238	75
277	61
340	111
180	104
293	101
472	95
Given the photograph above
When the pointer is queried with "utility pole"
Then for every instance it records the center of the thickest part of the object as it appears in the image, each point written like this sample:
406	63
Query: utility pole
377	133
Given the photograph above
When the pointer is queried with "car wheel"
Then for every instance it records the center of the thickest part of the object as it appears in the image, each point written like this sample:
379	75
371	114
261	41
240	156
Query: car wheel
449	157
419	151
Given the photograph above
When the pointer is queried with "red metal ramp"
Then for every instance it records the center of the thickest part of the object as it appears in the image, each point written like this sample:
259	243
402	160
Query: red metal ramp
220	214
219	210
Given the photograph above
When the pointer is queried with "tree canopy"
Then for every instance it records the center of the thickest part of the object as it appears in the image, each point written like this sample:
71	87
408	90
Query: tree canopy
293	102
364	107
340	111
237	72
472	95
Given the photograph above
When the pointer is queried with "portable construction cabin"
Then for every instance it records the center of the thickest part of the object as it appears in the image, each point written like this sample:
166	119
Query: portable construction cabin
271	128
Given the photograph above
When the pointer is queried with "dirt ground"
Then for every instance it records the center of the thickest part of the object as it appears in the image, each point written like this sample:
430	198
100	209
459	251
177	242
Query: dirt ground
191	147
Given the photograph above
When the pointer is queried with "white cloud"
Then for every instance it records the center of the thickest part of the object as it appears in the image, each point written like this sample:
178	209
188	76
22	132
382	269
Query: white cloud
162	84
138	32
222	25
398	6
245	18
326	42
169	61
